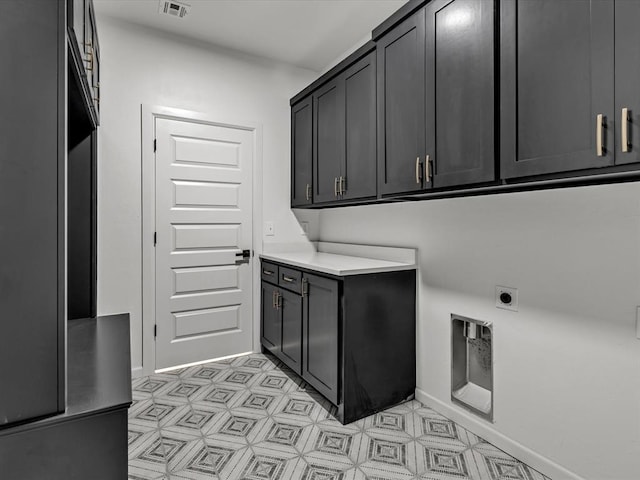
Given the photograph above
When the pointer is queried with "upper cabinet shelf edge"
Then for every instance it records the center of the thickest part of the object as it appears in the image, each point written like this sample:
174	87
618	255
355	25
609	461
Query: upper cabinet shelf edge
84	58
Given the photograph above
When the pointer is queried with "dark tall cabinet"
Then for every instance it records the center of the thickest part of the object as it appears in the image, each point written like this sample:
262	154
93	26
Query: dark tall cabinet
32	209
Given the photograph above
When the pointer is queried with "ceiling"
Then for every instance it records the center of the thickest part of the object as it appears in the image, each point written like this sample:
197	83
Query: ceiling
307	33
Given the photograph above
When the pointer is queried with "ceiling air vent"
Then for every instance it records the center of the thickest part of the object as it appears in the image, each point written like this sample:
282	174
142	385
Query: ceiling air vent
174	8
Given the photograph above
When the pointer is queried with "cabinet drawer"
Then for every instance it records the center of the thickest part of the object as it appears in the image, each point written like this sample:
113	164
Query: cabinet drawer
290	279
269	272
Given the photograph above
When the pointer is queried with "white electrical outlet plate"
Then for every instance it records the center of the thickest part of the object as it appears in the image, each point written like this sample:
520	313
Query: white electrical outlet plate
507	298
269	229
638	322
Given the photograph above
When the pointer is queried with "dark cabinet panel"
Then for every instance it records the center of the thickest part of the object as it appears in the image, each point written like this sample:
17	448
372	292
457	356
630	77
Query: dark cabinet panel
32	230
359	169
401	107
557	81
292	330
301	153
627	88
328	141
460	92
320	335
271	319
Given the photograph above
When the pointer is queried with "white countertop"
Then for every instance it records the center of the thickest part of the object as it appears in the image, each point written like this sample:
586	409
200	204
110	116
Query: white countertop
347	259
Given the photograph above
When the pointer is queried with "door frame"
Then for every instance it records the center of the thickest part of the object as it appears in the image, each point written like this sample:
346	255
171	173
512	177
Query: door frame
149	114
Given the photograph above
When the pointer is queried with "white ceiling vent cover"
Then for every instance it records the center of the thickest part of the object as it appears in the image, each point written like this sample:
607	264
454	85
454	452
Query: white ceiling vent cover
174	8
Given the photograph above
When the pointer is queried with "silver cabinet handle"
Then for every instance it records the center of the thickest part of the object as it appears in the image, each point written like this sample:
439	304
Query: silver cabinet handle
288	279
343	183
335	186
624	131
428	166
267	272
308	192
305	287
599	139
418	170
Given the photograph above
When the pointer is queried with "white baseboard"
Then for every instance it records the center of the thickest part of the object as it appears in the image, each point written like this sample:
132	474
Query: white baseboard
137	372
484	430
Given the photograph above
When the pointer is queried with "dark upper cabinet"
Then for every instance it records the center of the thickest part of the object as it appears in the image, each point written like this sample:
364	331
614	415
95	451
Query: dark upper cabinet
345	134
32	208
320	335
301	153
627	87
359	169
93	62
460	84
328	140
557	86
401	107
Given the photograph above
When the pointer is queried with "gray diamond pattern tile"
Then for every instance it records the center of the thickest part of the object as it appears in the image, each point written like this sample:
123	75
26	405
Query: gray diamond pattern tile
251	418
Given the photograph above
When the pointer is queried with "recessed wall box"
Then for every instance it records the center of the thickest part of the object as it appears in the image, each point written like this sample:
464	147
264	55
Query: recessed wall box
472	365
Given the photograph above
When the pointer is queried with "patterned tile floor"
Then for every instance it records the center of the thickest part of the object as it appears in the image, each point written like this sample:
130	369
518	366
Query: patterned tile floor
250	418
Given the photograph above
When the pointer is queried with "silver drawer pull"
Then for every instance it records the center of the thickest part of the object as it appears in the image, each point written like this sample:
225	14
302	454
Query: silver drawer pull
599	139
267	272
288	279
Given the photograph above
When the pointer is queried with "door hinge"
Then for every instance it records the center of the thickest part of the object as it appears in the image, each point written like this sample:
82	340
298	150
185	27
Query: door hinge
155	238
155	331
155	145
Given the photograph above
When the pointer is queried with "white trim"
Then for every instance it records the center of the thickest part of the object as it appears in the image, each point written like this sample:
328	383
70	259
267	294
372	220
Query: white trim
486	431
149	113
136	372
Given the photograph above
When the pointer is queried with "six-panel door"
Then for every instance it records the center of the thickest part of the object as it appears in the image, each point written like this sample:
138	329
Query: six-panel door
557	86
320	335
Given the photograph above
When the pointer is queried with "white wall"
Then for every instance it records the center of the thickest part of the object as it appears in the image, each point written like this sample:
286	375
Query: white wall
142	66
567	364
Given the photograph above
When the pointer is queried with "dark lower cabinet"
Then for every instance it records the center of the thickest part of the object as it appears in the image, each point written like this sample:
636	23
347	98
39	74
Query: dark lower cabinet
320	333
460	92
271	331
351	338
557	86
291	306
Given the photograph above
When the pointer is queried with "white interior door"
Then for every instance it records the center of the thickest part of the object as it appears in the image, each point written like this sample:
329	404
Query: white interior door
203	221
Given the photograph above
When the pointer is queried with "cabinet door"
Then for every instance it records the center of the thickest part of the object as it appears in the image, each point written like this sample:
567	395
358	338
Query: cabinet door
320	335
557	77
75	22
292	330
301	153
328	140
627	75
359	169
271	319
460	91
401	106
